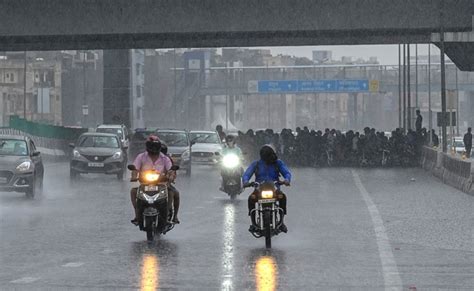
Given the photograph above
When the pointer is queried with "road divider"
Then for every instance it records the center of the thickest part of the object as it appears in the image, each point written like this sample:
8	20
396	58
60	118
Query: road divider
450	169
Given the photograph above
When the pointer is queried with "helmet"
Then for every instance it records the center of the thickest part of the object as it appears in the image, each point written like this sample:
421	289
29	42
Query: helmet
153	145
164	149
230	139
268	154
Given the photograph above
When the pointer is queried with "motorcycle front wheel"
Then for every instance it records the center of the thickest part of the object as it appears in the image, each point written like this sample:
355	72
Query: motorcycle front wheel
150	230
267	218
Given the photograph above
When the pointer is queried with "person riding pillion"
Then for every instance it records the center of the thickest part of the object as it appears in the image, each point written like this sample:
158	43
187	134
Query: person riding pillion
268	169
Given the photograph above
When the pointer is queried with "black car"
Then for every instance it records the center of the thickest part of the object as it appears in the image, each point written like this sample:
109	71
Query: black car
98	153
21	166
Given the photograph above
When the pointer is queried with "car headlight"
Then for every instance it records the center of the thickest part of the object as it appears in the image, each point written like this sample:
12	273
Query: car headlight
117	155
267	194
76	154
231	161
23	167
185	155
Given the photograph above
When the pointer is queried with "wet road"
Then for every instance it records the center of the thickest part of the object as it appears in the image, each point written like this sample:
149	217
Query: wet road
348	229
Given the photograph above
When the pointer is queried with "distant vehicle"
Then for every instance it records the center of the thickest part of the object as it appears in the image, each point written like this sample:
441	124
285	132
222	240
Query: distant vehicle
21	165
179	147
207	148
138	140
119	129
459	145
98	153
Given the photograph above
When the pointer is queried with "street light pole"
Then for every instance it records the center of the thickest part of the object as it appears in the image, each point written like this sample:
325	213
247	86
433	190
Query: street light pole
404	90
430	113
443	79
457	101
409	88
399	87
24	87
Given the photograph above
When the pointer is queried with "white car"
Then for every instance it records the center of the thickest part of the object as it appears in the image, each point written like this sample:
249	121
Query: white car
459	145
207	147
118	129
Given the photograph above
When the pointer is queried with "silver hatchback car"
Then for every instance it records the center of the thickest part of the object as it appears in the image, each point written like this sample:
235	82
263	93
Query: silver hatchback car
21	166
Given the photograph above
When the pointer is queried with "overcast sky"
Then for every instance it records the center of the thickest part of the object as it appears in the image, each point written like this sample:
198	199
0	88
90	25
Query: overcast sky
387	54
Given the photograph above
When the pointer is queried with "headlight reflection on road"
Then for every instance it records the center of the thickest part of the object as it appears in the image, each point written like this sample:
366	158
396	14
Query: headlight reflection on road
228	250
266	274
150	273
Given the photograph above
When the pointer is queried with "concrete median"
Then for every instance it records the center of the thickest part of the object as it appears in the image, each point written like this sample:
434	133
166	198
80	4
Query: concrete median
450	169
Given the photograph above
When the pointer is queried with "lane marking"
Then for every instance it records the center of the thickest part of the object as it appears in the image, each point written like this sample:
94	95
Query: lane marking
25	280
73	265
391	276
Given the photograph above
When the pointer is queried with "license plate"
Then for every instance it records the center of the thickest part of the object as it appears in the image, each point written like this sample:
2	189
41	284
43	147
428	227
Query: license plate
3	180
151	188
266	200
96	165
200	159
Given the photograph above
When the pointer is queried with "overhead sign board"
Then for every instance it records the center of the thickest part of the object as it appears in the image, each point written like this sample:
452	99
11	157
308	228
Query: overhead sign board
312	86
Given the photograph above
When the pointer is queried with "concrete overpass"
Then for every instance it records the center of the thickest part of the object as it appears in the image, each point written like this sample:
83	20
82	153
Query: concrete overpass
115	24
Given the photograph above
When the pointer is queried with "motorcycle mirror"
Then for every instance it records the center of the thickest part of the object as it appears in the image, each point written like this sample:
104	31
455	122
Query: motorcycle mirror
131	167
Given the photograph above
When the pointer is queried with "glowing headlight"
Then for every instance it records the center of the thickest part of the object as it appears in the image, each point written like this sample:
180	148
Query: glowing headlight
23	167
230	161
152	177
117	155
76	154
267	194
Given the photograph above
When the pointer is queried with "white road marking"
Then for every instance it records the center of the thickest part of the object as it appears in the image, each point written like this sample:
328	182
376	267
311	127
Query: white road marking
391	275
73	264
25	280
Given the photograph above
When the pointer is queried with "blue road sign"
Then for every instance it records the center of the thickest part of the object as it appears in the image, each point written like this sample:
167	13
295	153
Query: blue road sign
312	86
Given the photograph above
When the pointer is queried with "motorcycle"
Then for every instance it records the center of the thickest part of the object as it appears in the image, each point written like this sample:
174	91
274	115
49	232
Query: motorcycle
267	217
152	202
231	172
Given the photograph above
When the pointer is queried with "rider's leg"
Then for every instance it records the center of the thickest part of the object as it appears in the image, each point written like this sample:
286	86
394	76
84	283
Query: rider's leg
176	201
133	198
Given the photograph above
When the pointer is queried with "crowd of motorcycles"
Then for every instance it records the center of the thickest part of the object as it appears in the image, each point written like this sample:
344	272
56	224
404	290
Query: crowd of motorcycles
310	148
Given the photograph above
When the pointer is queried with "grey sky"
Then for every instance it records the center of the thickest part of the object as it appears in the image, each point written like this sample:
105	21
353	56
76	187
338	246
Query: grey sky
387	54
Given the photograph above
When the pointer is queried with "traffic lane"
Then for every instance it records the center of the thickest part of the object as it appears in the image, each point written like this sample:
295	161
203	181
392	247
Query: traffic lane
330	243
430	226
83	238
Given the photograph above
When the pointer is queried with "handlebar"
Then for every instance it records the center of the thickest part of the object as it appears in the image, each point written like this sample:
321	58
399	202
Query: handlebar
256	184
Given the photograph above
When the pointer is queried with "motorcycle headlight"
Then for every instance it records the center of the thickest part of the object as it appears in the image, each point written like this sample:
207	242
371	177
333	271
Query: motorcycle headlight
230	161
151	176
117	155
185	155
267	194
23	167
76	154
150	198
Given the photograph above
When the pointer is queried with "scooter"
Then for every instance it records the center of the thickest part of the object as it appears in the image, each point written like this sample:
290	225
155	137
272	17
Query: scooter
231	172
152	202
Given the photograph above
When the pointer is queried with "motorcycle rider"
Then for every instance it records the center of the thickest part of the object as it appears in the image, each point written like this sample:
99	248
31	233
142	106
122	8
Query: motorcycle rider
268	168
173	193
231	148
151	159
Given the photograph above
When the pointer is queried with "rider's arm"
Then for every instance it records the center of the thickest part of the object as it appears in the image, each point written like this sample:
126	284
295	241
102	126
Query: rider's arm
285	172
138	165
249	173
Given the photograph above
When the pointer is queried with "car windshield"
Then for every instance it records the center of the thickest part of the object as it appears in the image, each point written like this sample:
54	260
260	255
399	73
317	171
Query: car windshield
177	139
116	131
204	137
98	142
141	135
13	147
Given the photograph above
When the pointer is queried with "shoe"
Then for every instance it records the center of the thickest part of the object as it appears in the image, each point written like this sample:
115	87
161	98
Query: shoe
134	221
253	228
283	228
